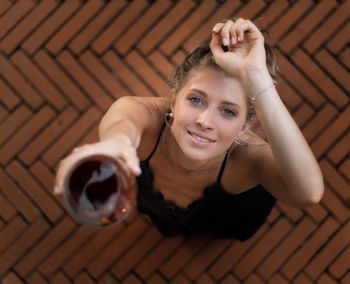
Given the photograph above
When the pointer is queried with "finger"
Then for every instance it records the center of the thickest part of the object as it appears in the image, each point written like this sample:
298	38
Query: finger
216	44
133	162
235	33
217	27
225	33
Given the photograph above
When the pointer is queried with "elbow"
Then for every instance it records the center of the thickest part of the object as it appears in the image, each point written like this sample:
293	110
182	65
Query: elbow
314	197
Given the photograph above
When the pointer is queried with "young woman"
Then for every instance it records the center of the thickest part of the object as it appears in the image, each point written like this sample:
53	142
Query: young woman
201	167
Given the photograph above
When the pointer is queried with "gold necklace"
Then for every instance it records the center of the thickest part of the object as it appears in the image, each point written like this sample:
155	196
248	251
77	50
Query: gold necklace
187	171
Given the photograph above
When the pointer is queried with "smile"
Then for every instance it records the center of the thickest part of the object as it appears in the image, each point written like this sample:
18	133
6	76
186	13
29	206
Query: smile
200	138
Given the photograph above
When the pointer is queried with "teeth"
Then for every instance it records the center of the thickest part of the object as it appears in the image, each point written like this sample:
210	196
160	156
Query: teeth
200	138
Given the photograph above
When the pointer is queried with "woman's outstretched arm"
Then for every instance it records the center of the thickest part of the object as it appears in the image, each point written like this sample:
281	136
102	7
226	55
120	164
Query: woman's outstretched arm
287	167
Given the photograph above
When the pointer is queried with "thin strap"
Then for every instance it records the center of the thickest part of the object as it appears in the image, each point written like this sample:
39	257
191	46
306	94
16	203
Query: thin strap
218	180
155	147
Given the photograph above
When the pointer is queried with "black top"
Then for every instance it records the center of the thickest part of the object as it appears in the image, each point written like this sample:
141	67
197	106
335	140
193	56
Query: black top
236	216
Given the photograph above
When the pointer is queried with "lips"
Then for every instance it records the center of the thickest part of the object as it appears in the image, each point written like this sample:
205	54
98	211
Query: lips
201	138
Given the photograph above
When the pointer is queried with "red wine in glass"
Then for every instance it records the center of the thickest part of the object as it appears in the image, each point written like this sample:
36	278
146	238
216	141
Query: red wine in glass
98	191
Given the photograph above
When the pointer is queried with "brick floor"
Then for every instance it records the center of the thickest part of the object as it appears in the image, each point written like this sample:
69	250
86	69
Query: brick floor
62	63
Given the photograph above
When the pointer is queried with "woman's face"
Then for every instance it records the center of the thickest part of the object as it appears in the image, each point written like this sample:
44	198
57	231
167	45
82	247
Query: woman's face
209	112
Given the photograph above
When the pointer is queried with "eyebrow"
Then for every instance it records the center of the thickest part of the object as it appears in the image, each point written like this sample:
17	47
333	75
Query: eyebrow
224	102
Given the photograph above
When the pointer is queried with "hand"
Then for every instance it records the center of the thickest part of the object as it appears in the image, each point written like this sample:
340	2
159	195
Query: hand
120	148
245	43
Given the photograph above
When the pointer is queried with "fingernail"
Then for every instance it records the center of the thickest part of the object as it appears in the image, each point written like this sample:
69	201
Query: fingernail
225	41
55	190
214	29
137	169
233	40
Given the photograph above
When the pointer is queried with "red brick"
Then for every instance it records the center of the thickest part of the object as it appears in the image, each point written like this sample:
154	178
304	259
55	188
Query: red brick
292	15
178	57
344	57
316	212
318	123
337	71
180	279
43	85
203	260
109	81
30	23
14	15
303	114
131	279
187	27
71	28
183	255
272	263
164	26
25	134
162	64
3	114
302	279
50	26
119	25
329	88
4	5
341	264
140	27
142	68
62	81
288	95
17	197
126	263
156	279
39	253
13	122
7	210
205	279
91	137
36	278
11	278
95	92
22	244
309	248
339	40
126	75
233	254
325	279
203	33
107	278
60	278
253	279
38	194
7	96
51	133
307	25
335	180
66	251
346	279
120	245
274	11
229	279
277	279
335	205
262	248
336	129
293	75
19	84
292	213
83	278
345	168
71	137
91	249
11	232
88	34
340	150
327	255
158	255
327	28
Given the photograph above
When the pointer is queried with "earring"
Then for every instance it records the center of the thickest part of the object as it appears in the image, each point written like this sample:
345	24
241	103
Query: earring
169	117
240	141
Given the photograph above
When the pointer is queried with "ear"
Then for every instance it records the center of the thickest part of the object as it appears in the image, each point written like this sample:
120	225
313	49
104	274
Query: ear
247	125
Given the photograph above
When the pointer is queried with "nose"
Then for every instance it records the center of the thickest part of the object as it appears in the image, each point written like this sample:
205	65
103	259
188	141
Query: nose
205	119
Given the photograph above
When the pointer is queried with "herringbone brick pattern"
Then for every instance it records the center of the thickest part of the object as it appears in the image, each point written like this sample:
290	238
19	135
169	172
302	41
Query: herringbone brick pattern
62	64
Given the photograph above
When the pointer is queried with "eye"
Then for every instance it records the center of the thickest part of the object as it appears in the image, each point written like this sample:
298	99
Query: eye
228	112
195	100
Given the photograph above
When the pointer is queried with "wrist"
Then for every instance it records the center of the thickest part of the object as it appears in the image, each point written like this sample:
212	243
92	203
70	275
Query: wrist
256	81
